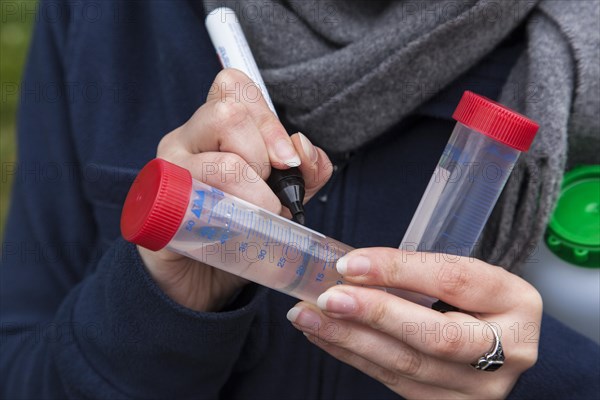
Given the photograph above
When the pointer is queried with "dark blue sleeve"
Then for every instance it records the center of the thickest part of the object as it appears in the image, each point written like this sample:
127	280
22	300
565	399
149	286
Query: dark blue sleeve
77	321
568	366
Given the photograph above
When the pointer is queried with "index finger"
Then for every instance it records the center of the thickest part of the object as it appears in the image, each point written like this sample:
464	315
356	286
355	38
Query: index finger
234	85
464	282
456	337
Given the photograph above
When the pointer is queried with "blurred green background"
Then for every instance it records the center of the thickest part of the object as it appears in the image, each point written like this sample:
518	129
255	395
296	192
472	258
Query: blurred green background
16	23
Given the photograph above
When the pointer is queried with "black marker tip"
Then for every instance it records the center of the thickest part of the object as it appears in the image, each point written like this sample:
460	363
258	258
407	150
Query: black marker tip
288	185
299	218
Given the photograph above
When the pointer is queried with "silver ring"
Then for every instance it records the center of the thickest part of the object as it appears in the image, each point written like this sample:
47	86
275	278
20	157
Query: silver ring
493	359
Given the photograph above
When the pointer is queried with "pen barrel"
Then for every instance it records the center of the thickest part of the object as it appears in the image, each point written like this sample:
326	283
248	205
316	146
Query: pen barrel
232	47
233	50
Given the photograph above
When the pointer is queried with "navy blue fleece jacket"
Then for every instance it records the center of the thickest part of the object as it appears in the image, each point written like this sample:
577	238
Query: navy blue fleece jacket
80	316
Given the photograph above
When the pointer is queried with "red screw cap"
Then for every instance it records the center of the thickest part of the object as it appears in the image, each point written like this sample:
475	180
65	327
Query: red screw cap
156	204
496	121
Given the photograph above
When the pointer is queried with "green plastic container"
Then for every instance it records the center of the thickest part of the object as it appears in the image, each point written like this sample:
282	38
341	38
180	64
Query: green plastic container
574	230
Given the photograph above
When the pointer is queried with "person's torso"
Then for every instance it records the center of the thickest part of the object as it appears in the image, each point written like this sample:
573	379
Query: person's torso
141	73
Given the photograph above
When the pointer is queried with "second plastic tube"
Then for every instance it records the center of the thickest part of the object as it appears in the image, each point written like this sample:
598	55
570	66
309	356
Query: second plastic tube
477	161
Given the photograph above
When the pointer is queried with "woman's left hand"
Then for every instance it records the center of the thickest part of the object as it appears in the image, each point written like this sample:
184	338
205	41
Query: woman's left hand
415	351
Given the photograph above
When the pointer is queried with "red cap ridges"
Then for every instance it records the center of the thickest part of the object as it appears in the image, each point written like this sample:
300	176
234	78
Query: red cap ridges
496	121
156	204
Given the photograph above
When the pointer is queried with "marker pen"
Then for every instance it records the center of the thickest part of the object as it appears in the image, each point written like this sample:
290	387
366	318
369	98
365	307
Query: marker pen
234	52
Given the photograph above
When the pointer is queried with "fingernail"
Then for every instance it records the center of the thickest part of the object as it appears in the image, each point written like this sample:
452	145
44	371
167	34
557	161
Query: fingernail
353	266
308	148
337	302
286	153
304	318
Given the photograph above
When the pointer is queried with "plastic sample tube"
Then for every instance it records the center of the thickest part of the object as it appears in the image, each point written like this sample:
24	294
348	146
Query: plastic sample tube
476	163
165	207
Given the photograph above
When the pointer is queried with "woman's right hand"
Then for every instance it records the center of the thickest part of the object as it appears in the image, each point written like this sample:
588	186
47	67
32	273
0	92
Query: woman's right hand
231	142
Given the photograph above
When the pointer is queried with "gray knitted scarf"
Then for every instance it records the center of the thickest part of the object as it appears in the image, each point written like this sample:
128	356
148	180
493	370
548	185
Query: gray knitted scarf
341	70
